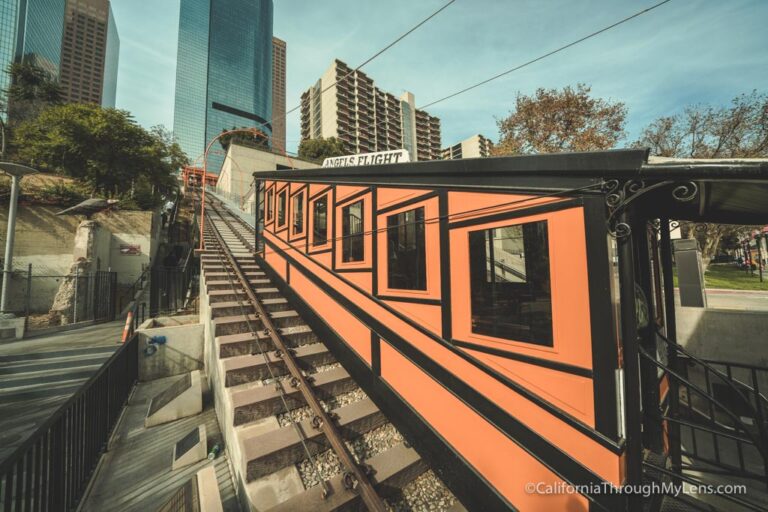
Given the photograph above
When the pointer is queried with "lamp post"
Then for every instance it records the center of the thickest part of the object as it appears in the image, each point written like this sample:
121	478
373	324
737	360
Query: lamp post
759	244
254	131
17	172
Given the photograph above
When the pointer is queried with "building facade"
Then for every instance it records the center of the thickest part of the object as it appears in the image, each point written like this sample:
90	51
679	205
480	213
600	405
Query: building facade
89	53
476	146
30	31
347	105
74	41
223	73
278	93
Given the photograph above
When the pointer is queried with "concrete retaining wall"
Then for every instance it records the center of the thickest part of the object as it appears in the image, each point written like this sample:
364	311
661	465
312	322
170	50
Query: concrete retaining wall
48	242
724	334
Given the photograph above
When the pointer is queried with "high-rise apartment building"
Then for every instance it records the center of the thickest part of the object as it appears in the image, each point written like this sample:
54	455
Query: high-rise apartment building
476	146
75	41
89	53
365	118
278	93
223	72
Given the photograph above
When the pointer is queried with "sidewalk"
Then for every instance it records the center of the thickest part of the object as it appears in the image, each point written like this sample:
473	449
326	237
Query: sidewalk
39	374
135	473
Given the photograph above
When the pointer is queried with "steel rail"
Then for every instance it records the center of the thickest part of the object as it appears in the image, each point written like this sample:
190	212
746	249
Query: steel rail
278	385
322	421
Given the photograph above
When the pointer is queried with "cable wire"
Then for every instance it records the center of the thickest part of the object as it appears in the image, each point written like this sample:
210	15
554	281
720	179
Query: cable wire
368	60
275	380
549	54
454	216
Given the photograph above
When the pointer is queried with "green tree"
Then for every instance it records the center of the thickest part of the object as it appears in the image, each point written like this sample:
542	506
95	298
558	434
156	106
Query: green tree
739	130
553	121
32	89
320	148
102	148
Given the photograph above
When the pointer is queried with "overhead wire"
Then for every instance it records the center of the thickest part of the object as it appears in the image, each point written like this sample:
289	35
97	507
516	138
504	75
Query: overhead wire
368	60
548	54
457	216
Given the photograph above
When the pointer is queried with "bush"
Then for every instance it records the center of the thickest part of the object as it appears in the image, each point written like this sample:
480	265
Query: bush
60	194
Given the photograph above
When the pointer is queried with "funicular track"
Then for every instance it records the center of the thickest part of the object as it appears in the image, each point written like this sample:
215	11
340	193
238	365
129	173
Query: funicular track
346	452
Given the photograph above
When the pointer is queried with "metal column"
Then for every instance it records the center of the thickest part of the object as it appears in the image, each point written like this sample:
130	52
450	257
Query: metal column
9	236
629	341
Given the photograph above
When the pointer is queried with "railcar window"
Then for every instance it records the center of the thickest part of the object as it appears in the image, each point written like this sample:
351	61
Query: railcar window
352	232
320	221
298	213
281	199
406	261
270	203
510	283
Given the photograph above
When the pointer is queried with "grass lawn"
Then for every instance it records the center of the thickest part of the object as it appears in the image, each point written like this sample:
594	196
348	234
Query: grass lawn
730	277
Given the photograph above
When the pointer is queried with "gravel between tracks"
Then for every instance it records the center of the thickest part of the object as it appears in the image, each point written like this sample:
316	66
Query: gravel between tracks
425	494
364	447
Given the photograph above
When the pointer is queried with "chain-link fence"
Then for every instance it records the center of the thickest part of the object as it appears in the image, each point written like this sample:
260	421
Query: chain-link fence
55	300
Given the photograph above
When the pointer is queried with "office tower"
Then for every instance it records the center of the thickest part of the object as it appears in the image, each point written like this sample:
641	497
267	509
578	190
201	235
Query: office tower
223	73
89	53
476	146
30	31
75	41
278	93
365	118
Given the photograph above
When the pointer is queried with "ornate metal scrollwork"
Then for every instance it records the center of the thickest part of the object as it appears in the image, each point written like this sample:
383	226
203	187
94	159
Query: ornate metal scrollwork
619	195
685	192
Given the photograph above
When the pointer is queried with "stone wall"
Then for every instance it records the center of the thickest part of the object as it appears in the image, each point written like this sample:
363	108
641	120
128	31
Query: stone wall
121	241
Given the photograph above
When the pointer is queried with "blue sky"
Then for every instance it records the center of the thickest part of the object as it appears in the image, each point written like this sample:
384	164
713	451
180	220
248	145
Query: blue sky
687	51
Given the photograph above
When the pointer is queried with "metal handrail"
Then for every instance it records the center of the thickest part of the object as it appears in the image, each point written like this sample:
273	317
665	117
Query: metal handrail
759	442
694	481
753	389
723	377
689	385
56	462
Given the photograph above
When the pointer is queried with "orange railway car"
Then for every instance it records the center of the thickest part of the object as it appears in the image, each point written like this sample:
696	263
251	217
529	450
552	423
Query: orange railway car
483	305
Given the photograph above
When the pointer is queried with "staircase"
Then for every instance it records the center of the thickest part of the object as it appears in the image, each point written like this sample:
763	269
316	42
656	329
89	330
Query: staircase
33	385
713	415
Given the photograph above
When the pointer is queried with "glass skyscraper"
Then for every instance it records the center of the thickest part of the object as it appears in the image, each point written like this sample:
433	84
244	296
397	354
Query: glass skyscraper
8	11
111	59
30	30
76	42
223	72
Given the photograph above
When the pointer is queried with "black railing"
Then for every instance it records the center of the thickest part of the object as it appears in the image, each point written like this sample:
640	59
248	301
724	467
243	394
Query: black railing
51	469
172	288
751	380
723	417
130	294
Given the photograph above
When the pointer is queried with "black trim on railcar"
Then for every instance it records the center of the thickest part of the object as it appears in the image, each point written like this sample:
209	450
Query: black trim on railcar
453	467
605	357
538	361
408	202
578	425
352	197
412	300
524	211
374	243
445	266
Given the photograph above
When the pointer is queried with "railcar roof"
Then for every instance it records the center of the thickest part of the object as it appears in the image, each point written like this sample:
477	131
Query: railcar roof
728	190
